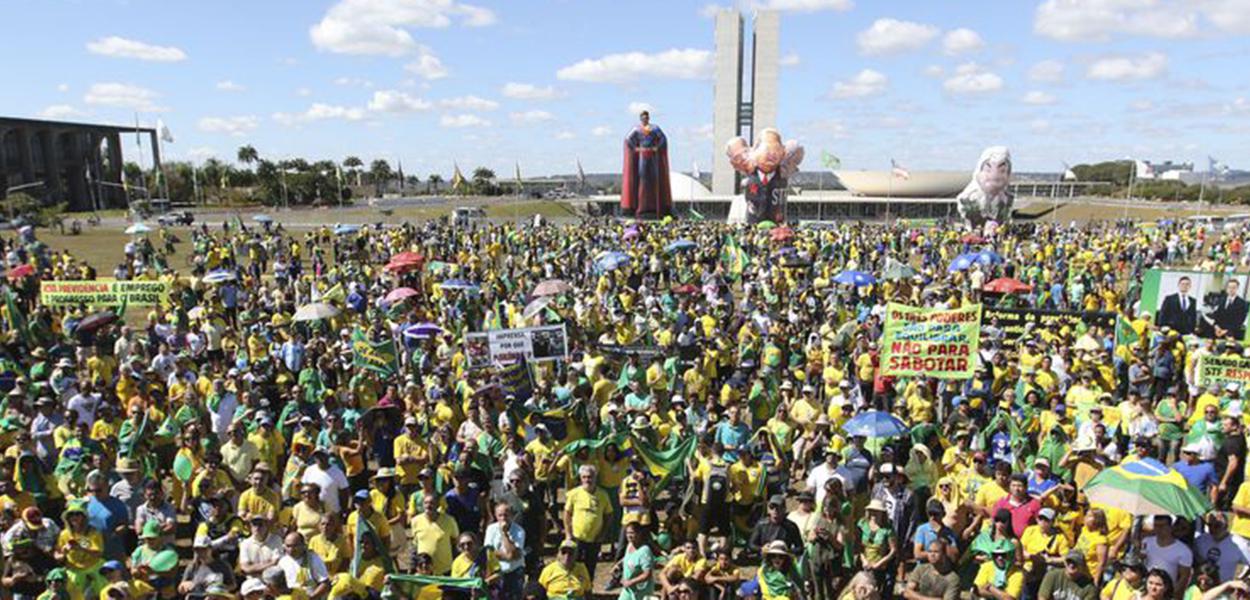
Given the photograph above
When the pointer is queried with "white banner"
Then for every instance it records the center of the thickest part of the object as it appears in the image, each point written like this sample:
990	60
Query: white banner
507	346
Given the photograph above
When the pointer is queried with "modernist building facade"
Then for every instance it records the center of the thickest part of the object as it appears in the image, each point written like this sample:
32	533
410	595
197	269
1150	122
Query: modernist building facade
739	110
76	163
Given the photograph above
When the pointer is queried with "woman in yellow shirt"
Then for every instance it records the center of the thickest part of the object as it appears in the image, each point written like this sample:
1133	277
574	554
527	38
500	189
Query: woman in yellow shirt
1094	542
80	548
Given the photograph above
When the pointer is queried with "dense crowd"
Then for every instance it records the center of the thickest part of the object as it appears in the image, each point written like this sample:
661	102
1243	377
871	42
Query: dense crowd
231	441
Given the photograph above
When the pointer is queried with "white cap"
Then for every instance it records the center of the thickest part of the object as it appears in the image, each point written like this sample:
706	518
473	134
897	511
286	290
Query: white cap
252	585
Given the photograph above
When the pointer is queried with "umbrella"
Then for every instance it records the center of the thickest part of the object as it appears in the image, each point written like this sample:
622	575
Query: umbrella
898	270
875	424
1086	344
262	218
219	277
315	312
537	306
781	234
406	258
765	225
459	284
855	278
1007	285
972	238
423	330
611	260
1146	487
552	287
987	257
95	321
345	229
21	271
680	245
138	229
686	288
963	262
400	294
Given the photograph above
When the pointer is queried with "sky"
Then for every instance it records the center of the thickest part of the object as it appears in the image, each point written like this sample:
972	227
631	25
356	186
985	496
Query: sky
545	83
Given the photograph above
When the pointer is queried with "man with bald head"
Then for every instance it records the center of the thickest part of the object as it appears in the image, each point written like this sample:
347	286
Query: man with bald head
304	569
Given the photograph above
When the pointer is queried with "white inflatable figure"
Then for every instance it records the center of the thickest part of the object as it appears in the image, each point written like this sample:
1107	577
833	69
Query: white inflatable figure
986	197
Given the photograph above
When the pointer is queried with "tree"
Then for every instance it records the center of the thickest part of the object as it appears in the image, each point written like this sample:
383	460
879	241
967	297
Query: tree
483	180
248	155
380	172
434	179
353	164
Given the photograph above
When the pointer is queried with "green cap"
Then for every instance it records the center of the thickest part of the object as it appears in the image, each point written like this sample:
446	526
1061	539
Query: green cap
151	529
57	574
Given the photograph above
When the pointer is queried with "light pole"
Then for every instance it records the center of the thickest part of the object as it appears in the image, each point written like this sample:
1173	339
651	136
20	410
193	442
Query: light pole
16	188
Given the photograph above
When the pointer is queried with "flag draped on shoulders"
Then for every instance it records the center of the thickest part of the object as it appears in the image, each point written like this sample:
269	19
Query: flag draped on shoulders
733	258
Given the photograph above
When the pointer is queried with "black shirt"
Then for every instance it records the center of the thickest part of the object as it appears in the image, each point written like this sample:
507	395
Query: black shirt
1234	445
767	531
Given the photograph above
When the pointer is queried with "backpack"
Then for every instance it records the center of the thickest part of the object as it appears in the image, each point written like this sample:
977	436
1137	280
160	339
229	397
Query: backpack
716	488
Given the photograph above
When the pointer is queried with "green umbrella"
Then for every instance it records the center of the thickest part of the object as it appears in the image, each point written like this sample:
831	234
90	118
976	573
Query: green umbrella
898	270
164	561
1147	487
765	225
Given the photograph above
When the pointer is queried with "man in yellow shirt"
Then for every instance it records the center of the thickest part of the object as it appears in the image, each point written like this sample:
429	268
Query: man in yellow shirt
433	532
411	455
1044	546
586	509
259	500
998	578
565	577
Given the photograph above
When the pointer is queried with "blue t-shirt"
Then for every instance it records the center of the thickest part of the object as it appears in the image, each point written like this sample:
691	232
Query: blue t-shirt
1000	448
733	437
1037	487
925	535
1201	476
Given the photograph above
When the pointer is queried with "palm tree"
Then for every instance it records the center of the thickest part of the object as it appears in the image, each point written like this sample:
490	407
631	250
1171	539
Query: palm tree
483	178
434	179
353	164
248	154
380	171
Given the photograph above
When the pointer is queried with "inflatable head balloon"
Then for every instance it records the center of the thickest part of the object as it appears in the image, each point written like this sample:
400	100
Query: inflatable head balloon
765	168
986	197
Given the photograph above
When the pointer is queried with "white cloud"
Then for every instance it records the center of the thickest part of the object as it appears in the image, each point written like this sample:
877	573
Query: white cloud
123	95
971	78
391	101
934	71
891	36
530	117
601	131
1046	71
303	92
464	120
1128	68
227	85
789	60
803	5
636	107
1038	98
959	41
1141	105
61	111
320	112
1039	125
377	26
865	83
120	47
427	65
629	67
63	87
1099	20
468	103
235	126
529	91
352	82
566	135
1232	16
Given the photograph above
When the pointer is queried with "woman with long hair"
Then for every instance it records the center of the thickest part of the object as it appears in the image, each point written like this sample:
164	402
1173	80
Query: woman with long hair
1159	586
1094	542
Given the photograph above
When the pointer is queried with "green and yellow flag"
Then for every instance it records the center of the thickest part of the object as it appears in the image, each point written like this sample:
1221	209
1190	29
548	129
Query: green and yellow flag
17	320
733	258
457	179
379	357
1125	335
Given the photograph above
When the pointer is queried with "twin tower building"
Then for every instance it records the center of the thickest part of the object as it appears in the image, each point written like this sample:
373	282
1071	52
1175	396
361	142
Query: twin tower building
745	93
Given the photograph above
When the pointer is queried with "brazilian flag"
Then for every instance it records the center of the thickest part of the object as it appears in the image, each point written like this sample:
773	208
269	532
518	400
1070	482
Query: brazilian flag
733	258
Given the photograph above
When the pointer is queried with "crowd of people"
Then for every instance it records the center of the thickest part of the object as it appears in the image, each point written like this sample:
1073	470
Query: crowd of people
233	440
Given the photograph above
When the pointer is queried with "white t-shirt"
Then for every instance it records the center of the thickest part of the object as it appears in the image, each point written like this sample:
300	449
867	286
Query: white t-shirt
1170	558
254	552
330	482
816	480
306	573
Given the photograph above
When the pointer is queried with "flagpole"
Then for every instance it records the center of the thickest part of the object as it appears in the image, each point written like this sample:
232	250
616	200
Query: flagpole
889	194
1132	176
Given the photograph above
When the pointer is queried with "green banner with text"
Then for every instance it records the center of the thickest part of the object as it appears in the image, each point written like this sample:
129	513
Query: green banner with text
931	342
104	292
1222	370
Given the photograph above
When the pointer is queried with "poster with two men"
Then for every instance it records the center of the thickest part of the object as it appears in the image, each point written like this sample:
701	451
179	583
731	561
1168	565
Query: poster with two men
1210	305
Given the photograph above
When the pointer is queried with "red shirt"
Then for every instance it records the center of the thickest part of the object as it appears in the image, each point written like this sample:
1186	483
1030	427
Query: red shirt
1022	514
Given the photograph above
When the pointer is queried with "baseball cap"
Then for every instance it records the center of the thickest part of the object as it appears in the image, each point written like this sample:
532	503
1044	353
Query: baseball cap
777	500
1046	513
252	586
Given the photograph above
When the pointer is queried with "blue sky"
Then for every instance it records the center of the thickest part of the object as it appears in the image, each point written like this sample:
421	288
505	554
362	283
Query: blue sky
544	83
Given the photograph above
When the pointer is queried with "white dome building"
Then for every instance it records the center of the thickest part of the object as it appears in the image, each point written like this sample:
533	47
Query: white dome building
686	188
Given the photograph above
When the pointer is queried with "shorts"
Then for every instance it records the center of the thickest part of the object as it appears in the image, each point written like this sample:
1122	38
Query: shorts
716	519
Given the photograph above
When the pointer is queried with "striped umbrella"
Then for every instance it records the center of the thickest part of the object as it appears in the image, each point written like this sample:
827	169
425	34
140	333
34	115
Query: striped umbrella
1146	487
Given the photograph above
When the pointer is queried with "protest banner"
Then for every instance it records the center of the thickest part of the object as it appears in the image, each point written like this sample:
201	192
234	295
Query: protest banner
379	357
103	292
1222	370
1209	305
1013	322
931	342
508	346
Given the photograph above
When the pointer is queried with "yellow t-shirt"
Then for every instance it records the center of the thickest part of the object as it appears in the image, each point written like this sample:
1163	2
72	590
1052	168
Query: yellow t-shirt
589	512
406	445
1034	541
1241	525
1088	542
1015	578
562	582
435	538
263	502
332	553
989	494
88	550
1117	589
307	520
463	563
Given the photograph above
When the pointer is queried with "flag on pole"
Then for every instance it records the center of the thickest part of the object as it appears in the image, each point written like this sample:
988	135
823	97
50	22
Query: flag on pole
17	320
125	184
1143	170
1125	335
457	178
694	172
1068	173
581	175
138	134
225	179
733	258
338	176
899	171
401	174
164	132
195	184
379	357
518	177
830	161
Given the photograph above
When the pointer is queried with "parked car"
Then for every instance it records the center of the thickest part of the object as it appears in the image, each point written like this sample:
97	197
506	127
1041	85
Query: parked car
466	216
179	217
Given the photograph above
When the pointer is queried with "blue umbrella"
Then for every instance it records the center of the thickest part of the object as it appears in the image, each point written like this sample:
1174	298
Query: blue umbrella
423	330
963	262
855	278
459	284
345	229
220	276
262	218
987	257
875	424
611	261
680	245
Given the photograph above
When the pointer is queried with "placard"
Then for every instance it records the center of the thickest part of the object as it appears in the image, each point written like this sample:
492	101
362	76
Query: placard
104	292
931	342
1221	370
508	346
